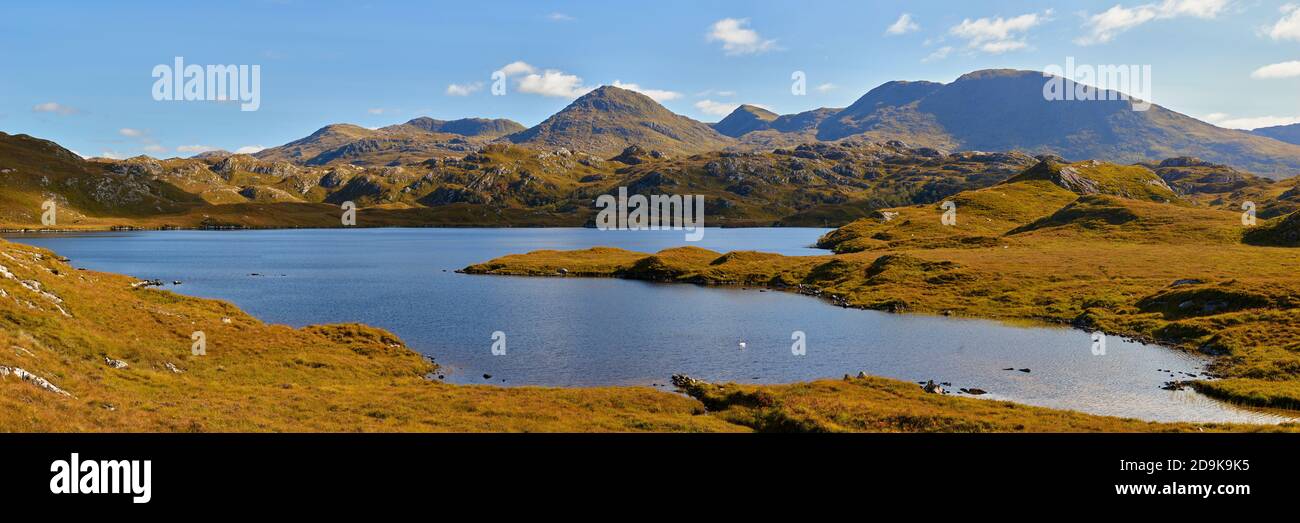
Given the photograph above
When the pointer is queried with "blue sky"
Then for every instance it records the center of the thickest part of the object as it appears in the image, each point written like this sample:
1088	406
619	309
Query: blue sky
79	73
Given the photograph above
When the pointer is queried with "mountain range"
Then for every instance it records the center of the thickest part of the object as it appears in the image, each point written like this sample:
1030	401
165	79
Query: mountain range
902	143
990	110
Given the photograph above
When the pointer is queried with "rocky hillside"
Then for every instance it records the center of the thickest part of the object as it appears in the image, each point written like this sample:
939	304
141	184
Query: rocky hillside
414	141
33	171
609	119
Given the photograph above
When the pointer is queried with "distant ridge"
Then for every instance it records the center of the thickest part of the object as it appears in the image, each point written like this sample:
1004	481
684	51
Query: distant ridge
1004	110
464	126
1284	133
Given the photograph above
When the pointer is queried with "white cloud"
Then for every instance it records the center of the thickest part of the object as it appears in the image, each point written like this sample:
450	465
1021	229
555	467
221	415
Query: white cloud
559	17
826	87
155	148
517	67
938	54
1226	121
713	108
998	35
658	95
131	133
714	92
738	39
53	107
1288	28
904	25
195	149
1279	70
1104	26
464	89
249	149
553	83
376	110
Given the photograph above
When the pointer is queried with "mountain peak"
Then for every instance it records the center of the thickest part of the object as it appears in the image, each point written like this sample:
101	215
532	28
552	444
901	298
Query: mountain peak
745	119
610	98
608	119
986	74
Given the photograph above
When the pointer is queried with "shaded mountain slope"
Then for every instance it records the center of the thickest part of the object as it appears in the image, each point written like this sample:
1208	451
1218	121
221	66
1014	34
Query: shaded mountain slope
1284	133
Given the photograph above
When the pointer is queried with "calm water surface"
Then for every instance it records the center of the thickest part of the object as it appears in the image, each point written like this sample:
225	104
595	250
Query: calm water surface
582	332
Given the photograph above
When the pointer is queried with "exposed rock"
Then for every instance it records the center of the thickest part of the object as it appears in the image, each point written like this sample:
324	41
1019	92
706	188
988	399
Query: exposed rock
682	381
5	372
632	155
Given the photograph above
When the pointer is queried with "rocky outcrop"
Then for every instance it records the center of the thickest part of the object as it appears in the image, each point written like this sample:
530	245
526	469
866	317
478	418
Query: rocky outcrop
43	383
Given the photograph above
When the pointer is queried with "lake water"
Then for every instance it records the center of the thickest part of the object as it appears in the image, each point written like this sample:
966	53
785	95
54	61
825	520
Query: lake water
585	332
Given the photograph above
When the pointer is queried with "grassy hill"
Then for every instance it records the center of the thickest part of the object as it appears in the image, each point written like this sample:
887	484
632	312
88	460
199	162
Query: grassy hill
33	171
